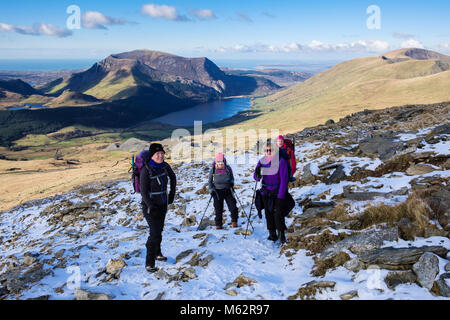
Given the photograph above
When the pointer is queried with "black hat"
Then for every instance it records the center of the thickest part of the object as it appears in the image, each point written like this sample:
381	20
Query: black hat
154	148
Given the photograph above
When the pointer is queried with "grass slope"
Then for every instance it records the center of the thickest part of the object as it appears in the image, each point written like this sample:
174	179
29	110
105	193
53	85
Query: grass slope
352	86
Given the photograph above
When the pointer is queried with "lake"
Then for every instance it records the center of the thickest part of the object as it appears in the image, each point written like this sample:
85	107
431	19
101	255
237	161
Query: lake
208	112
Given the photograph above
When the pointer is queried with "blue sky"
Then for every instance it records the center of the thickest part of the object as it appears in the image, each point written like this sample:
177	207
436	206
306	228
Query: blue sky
250	29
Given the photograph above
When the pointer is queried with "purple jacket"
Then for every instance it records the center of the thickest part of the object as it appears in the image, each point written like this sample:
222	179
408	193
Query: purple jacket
273	177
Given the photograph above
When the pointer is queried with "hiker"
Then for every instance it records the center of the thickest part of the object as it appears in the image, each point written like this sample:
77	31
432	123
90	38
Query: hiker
221	182
287	153
155	199
274	190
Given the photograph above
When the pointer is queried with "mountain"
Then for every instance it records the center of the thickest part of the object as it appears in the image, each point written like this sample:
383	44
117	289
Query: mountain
72	98
145	72
407	76
17	86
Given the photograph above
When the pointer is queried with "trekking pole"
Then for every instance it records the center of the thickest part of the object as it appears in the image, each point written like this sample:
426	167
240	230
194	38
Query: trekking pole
242	208
204	213
251	208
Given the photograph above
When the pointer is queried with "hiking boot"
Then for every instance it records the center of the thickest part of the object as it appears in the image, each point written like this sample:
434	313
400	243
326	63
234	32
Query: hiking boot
234	224
160	257
151	269
219	228
272	236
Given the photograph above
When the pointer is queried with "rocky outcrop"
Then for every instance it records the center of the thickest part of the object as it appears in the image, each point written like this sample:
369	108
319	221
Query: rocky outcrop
398	258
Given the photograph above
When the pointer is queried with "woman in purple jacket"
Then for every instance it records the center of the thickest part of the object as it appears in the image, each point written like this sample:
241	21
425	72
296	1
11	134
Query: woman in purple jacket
275	178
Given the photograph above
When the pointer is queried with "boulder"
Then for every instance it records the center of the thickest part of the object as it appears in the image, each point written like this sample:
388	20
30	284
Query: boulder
115	267
398	258
86	295
393	279
407	230
337	176
362	242
382	147
426	269
443	285
307	176
134	145
419	169
349	295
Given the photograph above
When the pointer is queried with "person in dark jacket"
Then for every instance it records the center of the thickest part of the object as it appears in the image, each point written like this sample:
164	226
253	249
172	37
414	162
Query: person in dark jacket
275	179
154	178
221	181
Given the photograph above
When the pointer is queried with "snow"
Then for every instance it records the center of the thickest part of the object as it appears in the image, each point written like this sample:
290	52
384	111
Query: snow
277	276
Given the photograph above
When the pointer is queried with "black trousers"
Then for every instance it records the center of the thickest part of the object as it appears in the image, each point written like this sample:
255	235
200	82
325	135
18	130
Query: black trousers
275	219
155	219
219	198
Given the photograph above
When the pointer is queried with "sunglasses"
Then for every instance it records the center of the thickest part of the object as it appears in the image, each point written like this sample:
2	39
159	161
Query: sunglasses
268	150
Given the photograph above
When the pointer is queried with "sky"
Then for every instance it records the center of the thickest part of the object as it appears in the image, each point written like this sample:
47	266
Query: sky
250	29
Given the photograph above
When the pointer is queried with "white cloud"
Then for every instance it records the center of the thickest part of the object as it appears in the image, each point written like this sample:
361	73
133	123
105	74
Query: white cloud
97	20
39	29
203	14
371	46
412	43
444	47
163	12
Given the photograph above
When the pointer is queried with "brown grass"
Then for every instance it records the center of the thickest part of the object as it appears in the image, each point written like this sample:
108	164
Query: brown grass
315	244
414	208
323	265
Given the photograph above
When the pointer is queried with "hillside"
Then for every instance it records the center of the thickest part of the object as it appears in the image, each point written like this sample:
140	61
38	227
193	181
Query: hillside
123	75
408	76
370	222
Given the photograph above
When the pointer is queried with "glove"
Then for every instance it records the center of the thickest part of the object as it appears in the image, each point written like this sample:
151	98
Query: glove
213	192
171	198
260	214
258	173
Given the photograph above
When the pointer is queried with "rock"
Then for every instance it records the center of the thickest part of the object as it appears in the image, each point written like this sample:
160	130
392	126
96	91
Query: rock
204	241
183	255
329	122
407	230
307	176
433	136
446	165
314	212
353	265
231	292
134	145
361	196
242	280
393	279
86	295
442	284
58	255
189	274
362	242
337	176
46	297
439	200
382	147
204	262
349	295
115	267
419	169
161	275
426	269
27	260
398	258
447	267
206	223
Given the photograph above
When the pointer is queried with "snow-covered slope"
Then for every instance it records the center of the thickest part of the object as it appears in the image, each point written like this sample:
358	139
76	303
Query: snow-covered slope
93	238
